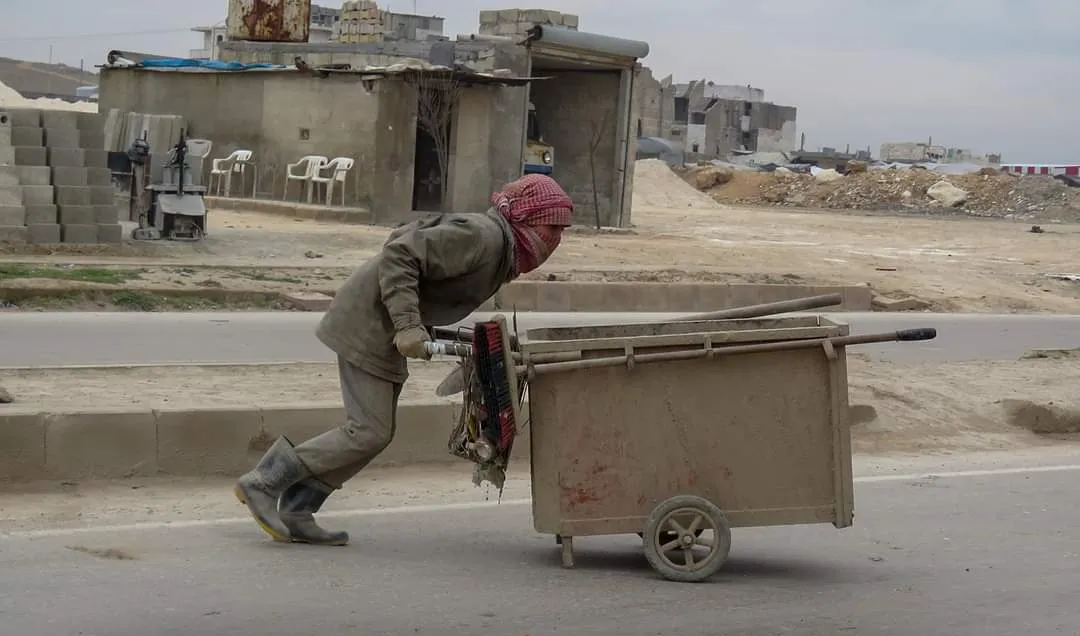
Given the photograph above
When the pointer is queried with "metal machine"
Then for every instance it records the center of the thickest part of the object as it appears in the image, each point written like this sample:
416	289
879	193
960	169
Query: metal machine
539	156
175	209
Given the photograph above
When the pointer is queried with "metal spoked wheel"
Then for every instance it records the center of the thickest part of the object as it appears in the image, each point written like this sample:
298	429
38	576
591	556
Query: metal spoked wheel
687	539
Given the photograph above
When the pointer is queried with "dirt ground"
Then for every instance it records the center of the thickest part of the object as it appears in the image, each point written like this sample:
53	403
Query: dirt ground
679	234
923	408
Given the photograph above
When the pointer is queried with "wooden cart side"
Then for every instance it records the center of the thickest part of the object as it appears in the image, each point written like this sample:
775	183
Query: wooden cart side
711	337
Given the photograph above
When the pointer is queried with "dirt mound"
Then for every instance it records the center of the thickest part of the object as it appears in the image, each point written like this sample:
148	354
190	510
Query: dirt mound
996	195
657	186
1042	419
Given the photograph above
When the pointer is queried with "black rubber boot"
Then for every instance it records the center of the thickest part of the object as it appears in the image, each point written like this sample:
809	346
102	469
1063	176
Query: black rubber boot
260	488
297	509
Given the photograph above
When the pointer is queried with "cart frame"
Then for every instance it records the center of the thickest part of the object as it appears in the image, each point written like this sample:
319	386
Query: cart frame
730	437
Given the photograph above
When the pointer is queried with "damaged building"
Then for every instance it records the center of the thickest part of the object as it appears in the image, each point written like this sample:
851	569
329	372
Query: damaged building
546	98
712	120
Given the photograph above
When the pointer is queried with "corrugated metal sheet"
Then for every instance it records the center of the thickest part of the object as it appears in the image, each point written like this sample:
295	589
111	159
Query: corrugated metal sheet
269	20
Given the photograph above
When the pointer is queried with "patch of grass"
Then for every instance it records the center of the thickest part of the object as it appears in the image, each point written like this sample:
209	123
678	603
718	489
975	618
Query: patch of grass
269	278
83	274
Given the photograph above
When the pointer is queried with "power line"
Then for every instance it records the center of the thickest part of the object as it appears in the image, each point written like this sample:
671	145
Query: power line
91	36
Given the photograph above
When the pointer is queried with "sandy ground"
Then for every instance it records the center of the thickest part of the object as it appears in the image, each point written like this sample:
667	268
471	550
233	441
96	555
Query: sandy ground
955	264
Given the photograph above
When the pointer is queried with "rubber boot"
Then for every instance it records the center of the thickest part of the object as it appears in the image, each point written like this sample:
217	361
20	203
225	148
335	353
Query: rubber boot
297	509
260	488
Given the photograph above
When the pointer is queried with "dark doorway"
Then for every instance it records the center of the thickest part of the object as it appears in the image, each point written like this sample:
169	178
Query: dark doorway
435	115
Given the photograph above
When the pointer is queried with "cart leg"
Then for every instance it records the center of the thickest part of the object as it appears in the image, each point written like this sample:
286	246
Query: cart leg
567	552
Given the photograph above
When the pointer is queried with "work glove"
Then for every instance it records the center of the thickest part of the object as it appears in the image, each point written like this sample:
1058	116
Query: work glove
410	343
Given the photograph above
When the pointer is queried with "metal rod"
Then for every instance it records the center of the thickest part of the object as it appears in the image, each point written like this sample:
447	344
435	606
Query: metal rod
768	309
908	335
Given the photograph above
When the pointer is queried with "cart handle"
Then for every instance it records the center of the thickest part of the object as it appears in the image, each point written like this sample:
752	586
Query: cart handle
443	348
905	335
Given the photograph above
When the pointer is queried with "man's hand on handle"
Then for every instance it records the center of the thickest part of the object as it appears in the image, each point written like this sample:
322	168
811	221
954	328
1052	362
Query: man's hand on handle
410	343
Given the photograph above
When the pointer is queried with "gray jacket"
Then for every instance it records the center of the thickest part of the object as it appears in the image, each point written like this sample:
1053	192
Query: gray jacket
432	272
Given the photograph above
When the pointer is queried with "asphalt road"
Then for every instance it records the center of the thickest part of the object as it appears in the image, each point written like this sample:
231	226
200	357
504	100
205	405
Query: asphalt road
977	553
70	338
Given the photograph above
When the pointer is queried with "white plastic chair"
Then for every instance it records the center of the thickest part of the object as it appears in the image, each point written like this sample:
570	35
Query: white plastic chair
224	168
309	167
337	169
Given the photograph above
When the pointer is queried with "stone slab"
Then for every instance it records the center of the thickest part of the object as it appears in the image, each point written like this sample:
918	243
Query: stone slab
101	443
24	116
5	134
44	233
34	175
110	233
11	195
9	176
106	214
59	118
90	121
22	445
72	195
31	156
7	156
41	214
66	157
12	215
38	195
14	234
69	176
61	137
77	214
309	301
27	136
99	177
82	233
102	195
95	158
92	139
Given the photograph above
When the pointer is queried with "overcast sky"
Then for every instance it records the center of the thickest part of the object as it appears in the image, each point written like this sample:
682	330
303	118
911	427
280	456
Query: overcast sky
990	75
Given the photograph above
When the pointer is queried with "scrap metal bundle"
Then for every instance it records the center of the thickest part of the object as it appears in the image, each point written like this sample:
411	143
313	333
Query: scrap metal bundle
487	427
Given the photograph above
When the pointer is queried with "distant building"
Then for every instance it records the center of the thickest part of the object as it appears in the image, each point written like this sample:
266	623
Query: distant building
928	152
327	26
714	120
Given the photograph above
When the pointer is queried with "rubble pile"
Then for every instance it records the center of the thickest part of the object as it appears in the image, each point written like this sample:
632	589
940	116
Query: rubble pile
922	191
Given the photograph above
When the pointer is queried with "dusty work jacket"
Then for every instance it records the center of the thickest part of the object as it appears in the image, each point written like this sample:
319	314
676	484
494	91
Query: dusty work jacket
432	272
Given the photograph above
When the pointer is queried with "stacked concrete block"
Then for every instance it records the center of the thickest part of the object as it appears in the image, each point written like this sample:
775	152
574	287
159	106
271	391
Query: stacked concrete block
360	21
516	22
12	211
65	185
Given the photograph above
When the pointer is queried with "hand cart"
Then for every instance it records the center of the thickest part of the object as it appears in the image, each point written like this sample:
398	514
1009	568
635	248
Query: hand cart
681	431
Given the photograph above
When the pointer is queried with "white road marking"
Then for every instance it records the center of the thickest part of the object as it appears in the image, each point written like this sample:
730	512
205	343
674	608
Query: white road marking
475	505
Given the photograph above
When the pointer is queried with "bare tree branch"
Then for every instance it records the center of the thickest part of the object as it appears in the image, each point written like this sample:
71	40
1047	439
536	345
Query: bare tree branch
596	127
437	97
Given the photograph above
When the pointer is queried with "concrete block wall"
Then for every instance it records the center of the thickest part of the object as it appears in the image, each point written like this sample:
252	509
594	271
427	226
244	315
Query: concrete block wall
55	183
515	22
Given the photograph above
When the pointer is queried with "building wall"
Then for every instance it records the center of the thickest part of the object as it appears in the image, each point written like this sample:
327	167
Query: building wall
577	109
768	127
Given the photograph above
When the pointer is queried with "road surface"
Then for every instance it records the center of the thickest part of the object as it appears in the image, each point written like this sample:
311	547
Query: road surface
70	338
993	553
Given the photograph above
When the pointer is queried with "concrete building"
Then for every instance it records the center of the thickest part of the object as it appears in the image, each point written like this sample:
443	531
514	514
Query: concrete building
712	120
327	26
927	151
586	106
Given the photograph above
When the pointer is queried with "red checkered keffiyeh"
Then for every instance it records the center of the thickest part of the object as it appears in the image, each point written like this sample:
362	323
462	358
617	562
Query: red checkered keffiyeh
533	200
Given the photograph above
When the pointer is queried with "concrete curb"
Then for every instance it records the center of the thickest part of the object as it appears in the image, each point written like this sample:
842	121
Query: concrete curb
348	215
527	295
125	442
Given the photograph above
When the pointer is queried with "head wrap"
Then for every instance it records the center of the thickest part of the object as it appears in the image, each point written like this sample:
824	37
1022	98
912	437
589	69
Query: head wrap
533	200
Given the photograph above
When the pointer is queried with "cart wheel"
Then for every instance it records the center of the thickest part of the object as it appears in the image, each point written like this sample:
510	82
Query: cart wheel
674	529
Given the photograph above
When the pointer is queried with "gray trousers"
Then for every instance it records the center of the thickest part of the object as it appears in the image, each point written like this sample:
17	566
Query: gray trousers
370	422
